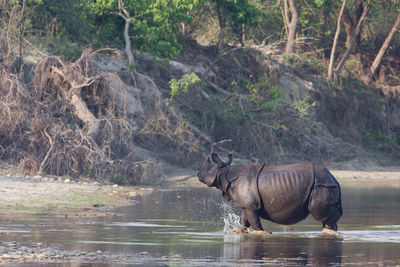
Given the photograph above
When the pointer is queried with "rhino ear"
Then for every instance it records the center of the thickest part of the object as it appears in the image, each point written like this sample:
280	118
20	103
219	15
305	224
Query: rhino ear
216	159
229	159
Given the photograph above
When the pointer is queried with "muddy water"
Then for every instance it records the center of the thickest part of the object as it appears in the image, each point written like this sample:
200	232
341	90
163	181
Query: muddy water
185	228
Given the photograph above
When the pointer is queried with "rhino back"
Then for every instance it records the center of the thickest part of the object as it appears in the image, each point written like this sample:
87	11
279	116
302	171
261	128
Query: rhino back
324	177
285	191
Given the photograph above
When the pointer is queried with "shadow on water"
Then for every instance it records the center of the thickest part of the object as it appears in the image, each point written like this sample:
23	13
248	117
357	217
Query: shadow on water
185	228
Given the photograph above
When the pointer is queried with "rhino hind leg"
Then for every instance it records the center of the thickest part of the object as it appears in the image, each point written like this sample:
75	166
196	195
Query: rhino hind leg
325	206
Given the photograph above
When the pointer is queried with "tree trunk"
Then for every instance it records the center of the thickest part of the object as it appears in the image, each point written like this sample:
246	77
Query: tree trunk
221	22
242	34
292	25
332	58
20	26
350	24
82	111
353	40
377	61
127	17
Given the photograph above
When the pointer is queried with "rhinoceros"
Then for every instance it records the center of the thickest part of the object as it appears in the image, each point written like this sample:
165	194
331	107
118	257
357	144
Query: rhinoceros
284	194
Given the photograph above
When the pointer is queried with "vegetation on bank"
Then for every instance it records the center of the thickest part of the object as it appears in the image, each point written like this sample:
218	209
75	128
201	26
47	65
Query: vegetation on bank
270	80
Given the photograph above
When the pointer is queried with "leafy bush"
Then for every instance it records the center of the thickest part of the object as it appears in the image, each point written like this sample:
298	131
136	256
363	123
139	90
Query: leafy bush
183	84
377	140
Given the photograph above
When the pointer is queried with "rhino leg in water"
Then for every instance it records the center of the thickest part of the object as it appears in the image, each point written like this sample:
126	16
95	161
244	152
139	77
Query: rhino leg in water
251	218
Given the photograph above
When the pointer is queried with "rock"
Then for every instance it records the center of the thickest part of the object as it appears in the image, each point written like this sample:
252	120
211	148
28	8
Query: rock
67	181
6	256
177	256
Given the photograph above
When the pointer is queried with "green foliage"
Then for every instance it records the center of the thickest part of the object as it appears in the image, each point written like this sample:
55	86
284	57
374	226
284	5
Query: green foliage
235	13
183	84
381	19
269	22
74	23
317	17
305	63
155	27
88	170
131	67
377	140
302	106
239	11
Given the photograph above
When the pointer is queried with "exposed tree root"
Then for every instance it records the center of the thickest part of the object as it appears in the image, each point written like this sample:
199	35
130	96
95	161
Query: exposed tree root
74	122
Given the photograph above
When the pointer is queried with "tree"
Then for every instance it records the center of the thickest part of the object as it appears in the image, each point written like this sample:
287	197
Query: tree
123	13
377	61
236	12
354	38
335	40
291	22
13	18
153	24
350	23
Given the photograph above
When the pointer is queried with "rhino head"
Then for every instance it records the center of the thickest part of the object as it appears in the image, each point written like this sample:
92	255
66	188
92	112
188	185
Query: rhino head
208	170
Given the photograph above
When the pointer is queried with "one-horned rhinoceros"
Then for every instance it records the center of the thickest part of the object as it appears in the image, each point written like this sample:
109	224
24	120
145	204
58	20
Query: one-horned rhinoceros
284	194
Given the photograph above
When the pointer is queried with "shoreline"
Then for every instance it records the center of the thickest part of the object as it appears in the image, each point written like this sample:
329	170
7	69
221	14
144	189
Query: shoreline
82	197
20	194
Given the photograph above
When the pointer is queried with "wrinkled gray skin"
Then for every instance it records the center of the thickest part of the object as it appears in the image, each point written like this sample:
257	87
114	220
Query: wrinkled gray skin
284	194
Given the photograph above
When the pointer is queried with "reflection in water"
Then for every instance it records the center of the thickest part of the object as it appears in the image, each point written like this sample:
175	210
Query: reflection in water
165	229
296	251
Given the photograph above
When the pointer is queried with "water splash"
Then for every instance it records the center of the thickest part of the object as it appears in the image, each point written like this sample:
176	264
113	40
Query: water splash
231	220
232	223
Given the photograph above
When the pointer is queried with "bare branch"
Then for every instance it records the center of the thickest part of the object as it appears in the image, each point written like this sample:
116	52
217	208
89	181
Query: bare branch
353	40
332	58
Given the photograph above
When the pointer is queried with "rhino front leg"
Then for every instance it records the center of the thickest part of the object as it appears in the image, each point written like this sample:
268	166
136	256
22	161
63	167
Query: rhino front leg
251	218
245	222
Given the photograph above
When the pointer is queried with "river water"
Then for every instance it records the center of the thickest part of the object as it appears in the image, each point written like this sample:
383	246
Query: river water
185	227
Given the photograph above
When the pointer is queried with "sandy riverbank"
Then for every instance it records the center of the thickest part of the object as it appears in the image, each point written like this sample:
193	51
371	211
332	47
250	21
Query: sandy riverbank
386	178
61	195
